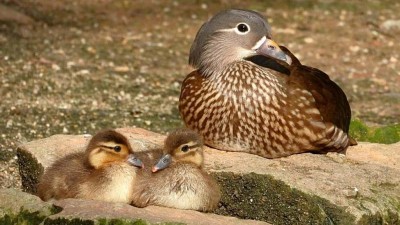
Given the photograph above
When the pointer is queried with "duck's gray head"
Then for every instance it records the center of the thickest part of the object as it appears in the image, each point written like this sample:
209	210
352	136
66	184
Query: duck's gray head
232	35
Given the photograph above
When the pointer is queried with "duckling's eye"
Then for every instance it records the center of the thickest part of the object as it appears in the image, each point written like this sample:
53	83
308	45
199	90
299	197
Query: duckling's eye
117	148
185	148
243	28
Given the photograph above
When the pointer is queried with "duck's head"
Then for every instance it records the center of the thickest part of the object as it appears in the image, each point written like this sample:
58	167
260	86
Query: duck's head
181	145
232	35
109	146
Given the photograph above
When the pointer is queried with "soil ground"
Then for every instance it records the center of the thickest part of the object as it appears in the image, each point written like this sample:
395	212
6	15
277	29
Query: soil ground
75	67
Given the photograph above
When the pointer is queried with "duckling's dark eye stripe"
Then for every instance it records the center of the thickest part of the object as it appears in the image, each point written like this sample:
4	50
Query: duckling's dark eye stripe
194	146
104	146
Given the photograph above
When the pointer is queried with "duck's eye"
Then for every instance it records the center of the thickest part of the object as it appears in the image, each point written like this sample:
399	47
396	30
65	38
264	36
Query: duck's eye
185	148
243	28
117	148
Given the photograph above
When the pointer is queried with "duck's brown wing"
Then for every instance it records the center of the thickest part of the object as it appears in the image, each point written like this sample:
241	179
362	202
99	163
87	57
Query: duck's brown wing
295	60
330	99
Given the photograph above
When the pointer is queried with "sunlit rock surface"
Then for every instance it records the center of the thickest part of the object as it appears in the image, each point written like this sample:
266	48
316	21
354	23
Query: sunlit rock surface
362	187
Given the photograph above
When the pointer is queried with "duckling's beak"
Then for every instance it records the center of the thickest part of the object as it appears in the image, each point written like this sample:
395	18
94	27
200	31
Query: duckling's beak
268	47
162	163
135	161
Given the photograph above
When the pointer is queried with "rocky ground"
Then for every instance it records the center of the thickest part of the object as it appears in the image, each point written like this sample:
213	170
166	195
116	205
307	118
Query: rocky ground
75	67
361	188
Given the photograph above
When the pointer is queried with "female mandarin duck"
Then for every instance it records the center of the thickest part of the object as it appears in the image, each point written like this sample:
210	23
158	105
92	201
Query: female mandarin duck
241	98
178	179
105	171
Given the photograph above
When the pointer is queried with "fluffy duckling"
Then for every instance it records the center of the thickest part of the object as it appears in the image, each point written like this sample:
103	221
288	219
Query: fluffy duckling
177	180
106	171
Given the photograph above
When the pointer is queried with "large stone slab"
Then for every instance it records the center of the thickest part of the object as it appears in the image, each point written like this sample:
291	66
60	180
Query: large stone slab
17	207
362	187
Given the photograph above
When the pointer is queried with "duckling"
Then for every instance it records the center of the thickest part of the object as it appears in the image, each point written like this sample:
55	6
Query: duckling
177	180
106	171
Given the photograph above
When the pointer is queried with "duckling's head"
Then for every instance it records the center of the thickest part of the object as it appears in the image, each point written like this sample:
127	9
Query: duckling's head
107	147
182	145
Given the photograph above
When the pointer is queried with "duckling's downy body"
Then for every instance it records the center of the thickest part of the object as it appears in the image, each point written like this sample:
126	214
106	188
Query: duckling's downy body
177	180
105	171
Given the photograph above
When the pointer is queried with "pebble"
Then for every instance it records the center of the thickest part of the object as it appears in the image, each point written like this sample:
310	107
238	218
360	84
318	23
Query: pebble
121	69
55	67
351	192
391	25
9	124
355	48
308	40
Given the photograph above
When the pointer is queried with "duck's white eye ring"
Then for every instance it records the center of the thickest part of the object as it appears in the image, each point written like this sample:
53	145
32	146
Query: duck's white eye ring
242	28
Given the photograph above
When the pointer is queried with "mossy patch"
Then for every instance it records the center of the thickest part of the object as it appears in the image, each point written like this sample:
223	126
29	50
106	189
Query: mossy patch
386	134
30	170
24	217
261	197
33	218
130	222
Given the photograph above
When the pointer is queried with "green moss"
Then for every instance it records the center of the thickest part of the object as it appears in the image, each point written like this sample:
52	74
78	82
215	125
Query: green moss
24	217
387	134
358	130
261	197
29	169
64	221
120	222
130	222
34	218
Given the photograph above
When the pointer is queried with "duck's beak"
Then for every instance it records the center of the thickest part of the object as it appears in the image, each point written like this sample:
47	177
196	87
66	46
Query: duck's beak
268	47
135	161
162	163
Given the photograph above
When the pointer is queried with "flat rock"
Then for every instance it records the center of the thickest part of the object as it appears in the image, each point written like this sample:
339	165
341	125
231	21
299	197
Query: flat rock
92	210
362	187
13	201
17	207
391	25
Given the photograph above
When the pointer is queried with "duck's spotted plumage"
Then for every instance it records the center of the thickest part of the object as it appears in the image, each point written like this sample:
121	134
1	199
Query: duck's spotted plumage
256	108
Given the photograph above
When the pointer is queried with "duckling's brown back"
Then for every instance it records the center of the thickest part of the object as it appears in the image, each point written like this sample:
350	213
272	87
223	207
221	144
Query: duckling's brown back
60	179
